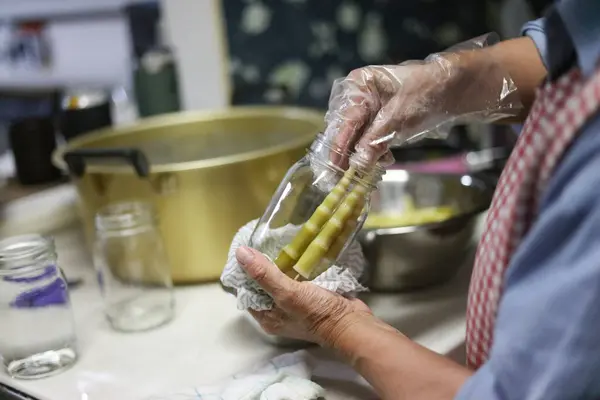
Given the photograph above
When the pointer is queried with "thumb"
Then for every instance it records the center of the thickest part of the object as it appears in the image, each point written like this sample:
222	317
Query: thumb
264	272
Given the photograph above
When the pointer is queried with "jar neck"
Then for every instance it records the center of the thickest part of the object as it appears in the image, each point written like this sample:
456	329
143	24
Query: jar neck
125	216
26	252
322	150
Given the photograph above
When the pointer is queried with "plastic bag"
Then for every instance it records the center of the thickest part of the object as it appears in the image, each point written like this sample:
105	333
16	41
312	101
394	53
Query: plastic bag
378	107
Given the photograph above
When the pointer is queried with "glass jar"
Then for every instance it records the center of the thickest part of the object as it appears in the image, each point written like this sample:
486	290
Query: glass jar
317	211
37	329
132	267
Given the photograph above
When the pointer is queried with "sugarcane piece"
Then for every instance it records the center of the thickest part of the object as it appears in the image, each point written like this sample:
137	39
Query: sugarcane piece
309	230
317	249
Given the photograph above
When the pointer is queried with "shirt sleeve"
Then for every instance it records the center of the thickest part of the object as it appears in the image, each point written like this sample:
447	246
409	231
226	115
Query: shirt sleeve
535	30
547	335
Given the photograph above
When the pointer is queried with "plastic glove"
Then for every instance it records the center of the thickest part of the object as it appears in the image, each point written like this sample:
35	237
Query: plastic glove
376	107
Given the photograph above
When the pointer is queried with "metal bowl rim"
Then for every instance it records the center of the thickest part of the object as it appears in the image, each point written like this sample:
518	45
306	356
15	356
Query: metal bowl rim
396	230
166	120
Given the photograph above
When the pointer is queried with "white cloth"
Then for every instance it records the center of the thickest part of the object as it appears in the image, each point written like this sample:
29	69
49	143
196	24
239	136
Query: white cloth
342	279
286	377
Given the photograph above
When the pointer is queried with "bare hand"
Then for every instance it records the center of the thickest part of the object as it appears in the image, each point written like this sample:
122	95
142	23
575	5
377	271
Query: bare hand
302	310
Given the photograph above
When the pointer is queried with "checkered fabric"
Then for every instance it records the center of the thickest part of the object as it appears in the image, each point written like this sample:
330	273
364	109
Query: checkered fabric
561	109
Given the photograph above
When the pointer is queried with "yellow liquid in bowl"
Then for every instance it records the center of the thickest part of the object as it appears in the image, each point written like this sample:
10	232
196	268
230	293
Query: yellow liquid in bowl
410	216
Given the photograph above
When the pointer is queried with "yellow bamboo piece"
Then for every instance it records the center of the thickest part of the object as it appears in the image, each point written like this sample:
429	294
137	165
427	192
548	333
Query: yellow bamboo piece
319	247
310	229
339	242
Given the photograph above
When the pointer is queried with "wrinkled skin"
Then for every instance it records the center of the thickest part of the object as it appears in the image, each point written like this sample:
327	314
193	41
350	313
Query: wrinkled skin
302	310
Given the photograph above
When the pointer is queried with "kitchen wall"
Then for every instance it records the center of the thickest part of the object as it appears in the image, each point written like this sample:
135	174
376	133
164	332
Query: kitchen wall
290	51
88	42
195	30
270	51
90	45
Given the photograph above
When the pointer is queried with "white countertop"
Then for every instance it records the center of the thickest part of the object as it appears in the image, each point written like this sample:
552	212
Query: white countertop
209	340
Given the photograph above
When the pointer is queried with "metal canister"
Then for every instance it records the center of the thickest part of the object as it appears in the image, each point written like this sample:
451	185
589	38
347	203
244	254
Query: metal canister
83	111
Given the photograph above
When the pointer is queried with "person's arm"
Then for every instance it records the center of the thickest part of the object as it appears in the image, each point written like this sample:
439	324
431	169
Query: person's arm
519	60
546	342
524	58
395	366
525	66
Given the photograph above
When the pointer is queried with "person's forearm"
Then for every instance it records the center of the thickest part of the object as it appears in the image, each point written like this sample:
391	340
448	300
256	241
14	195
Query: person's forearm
482	79
395	366
523	63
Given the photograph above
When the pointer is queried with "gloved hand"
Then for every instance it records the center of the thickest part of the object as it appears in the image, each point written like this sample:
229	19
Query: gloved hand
376	107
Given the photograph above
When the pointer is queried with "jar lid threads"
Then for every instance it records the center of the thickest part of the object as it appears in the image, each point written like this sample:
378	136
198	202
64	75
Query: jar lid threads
26	252
336	159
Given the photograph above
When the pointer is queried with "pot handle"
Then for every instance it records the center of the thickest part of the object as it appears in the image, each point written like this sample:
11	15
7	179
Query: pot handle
76	159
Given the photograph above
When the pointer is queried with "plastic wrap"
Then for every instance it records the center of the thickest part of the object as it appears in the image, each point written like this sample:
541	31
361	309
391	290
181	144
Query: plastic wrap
381	106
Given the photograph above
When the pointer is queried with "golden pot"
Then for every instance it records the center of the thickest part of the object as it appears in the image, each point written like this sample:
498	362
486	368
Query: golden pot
206	173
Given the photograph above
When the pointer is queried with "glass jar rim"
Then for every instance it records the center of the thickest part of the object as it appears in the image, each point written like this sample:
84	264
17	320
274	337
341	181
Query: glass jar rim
375	170
124	215
25	253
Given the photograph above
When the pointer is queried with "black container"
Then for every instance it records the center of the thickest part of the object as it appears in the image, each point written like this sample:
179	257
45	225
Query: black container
32	141
83	112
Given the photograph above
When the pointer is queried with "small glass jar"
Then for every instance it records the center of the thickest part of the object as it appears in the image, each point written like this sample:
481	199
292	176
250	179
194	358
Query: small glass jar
132	267
37	329
316	212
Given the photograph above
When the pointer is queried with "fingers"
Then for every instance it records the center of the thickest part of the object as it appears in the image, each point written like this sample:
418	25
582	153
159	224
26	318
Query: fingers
265	273
373	143
273	317
387	159
348	132
353	102
272	321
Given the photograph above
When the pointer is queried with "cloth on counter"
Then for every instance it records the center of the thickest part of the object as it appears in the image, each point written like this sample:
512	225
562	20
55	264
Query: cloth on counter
285	377
342	279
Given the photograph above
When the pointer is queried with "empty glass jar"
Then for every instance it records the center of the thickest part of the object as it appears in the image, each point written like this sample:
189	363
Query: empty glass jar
317	211
132	267
37	330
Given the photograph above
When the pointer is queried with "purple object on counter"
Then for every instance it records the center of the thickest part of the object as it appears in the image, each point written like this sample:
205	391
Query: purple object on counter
53	294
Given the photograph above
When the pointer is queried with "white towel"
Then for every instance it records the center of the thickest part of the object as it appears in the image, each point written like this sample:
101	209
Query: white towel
342	279
286	377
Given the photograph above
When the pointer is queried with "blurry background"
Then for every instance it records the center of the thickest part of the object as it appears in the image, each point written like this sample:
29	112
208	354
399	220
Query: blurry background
64	62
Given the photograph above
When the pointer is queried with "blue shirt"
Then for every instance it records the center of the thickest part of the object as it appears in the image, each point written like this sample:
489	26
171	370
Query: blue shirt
547	334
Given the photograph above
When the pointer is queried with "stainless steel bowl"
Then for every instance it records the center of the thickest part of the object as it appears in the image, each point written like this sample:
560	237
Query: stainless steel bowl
405	258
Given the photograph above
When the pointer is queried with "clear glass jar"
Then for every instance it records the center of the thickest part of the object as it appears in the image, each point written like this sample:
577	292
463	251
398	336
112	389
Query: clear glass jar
37	329
132	267
317	211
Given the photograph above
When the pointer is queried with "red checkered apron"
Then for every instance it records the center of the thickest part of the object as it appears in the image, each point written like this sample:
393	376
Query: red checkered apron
560	110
